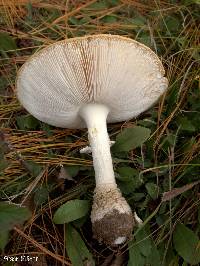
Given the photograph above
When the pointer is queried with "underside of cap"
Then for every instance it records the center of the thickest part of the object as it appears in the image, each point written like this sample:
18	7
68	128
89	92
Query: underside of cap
119	72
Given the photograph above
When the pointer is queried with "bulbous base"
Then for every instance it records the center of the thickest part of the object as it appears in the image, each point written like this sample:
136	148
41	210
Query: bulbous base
111	216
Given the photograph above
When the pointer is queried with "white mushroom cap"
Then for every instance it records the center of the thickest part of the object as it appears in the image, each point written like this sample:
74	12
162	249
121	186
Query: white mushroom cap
116	71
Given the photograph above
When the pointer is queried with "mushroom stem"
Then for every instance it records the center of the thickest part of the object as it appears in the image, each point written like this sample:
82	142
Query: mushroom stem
95	117
111	216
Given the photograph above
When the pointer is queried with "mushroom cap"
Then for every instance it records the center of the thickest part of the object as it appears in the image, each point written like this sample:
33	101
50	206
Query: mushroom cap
116	71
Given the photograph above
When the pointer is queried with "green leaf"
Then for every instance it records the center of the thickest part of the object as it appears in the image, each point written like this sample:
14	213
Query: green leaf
98	5
72	170
126	173
7	42
34	168
4	234
76	248
137	21
144	242
186	124
109	19
27	122
70	211
152	190
167	255
129	179
131	138
73	21
154	258
10	215
135	257
137	196
187	244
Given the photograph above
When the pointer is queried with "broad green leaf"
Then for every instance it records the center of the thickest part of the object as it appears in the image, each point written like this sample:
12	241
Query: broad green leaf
168	140
186	124
7	42
129	179
76	248
4	234
131	138
34	168
109	19
126	174
137	196
27	122
73	21
98	5
167	256
135	257
85	19
154	257
11	215
72	170
126	188
152	190
187	244
137	20
144	242
70	211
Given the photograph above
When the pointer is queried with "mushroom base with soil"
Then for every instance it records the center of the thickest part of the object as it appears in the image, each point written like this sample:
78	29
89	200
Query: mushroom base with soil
111	216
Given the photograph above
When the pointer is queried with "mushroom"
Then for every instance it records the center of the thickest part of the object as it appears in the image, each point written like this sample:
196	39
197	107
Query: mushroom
87	82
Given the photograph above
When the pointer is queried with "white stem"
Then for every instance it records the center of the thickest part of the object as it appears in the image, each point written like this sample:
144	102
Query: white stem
95	116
